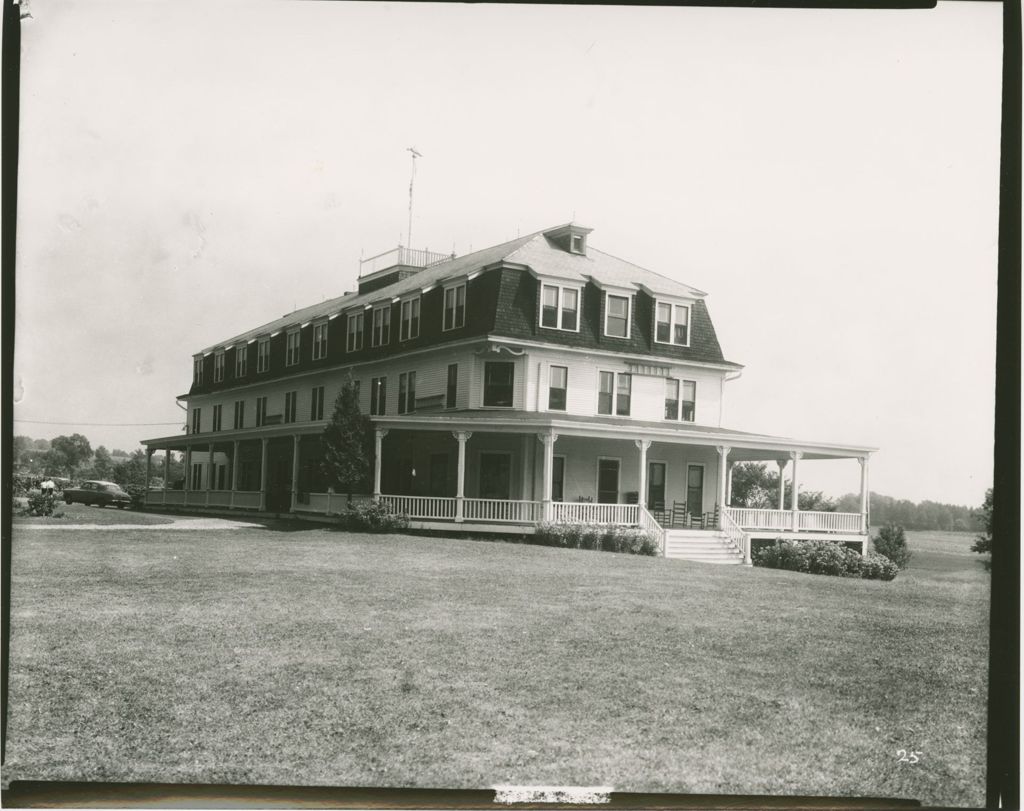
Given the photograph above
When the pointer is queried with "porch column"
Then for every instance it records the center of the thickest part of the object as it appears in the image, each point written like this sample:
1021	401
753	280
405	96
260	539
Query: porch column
234	466
209	475
378	445
167	468
723	462
782	483
149	467
188	471
263	474
643	445
796	456
864	494
462	437
548	441
295	470
728	484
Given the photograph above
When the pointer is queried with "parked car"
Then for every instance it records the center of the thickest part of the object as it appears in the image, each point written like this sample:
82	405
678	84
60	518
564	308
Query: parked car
100	493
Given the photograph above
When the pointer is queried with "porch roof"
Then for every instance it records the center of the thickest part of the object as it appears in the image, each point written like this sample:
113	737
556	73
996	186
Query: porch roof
746	446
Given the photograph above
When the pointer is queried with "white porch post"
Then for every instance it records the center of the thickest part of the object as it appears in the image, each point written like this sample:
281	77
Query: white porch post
378	448
795	456
643	445
263	475
462	437
188	471
234	472
864	494
548	441
723	461
782	483
149	467
728	485
167	468
295	470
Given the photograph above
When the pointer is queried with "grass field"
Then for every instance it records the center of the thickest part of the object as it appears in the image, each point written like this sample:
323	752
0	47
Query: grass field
297	655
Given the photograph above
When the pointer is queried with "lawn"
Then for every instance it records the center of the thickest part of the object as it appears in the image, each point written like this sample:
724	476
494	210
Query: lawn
87	514
305	656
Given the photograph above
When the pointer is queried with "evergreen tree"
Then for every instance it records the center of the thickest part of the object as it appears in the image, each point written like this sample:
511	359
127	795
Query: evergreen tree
983	544
348	444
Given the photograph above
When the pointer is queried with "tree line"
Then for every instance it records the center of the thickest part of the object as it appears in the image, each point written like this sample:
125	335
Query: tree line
73	457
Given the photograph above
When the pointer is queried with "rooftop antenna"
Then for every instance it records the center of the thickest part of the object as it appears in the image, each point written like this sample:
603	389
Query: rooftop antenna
412	179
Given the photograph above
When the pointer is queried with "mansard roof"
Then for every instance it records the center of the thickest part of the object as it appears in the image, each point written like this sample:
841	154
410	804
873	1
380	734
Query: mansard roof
536	252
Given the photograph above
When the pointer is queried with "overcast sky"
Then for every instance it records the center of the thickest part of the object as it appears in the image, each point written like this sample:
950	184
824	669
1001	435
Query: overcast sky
190	170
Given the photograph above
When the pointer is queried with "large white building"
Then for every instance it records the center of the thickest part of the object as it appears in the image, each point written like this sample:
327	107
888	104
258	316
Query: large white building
540	379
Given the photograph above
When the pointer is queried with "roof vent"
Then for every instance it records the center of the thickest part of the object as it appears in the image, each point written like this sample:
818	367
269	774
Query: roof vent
570	238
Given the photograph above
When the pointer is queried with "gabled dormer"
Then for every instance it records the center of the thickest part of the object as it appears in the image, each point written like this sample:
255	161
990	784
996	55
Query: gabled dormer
571	238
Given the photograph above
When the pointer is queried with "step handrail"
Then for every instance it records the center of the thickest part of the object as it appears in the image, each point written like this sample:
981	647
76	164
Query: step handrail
649	523
736	536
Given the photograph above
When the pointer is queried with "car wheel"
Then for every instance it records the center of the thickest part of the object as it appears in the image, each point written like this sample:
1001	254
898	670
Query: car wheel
68	500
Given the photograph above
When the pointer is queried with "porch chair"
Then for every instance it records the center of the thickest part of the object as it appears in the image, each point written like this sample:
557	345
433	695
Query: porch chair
678	514
658	511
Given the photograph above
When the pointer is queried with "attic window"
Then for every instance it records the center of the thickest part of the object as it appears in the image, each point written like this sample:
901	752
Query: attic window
578	243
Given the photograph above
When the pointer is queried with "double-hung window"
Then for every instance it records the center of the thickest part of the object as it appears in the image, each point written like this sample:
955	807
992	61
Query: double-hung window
410	319
454	307
216	417
261	411
196	419
407	392
218	367
320	341
378	396
614	393
616	316
263	355
290	399
452	389
316	407
355	332
239	414
197	370
560	307
558	388
381	334
241	360
672	323
499	383
294	340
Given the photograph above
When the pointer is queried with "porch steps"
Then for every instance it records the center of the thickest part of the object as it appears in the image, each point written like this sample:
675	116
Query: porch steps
703	546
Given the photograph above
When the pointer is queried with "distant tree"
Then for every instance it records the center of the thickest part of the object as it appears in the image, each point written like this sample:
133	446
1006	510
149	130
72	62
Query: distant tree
20	445
76	449
891	542
101	464
816	501
118	452
348	443
54	462
983	543
41	444
132	472
753	485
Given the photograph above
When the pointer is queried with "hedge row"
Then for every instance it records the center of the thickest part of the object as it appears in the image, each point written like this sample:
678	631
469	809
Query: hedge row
824	557
603	537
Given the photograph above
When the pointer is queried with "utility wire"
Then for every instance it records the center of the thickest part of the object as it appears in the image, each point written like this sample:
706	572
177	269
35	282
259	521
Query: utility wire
96	424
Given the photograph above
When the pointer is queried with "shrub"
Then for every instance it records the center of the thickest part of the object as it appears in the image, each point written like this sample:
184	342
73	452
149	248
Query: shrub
41	504
138	494
891	542
372	516
604	537
824	557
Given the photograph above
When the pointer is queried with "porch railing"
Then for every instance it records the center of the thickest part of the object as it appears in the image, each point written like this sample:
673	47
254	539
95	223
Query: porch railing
421	506
585	512
748	518
782	520
646	521
496	509
829	522
736	535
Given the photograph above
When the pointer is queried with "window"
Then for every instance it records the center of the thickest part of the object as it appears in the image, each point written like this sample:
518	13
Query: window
676	408
316	409
559	383
355	332
671	399
454	307
577	243
241	358
378	396
320	341
689	401
451	391
239	414
381	334
290	398
263	355
291	356
261	411
614	390
499	377
407	393
218	367
616	316
672	324
197	370
197	476
560	307
196	417
216	417
410	319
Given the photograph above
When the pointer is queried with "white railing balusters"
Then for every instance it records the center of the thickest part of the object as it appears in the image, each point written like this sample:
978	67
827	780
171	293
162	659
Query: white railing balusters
814	521
648	522
736	535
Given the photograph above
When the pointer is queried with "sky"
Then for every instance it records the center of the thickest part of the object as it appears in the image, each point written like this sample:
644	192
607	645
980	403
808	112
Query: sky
190	170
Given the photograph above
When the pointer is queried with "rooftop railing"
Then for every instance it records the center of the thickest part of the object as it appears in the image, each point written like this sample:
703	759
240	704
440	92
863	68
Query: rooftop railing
401	255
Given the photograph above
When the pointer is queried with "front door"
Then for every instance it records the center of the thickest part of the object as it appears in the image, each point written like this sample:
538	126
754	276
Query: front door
439	474
656	486
495	475
695	489
608	481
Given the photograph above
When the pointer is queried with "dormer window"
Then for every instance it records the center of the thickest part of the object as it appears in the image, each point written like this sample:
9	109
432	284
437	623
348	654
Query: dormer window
672	324
292	348
560	307
616	315
578	243
218	367
197	370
